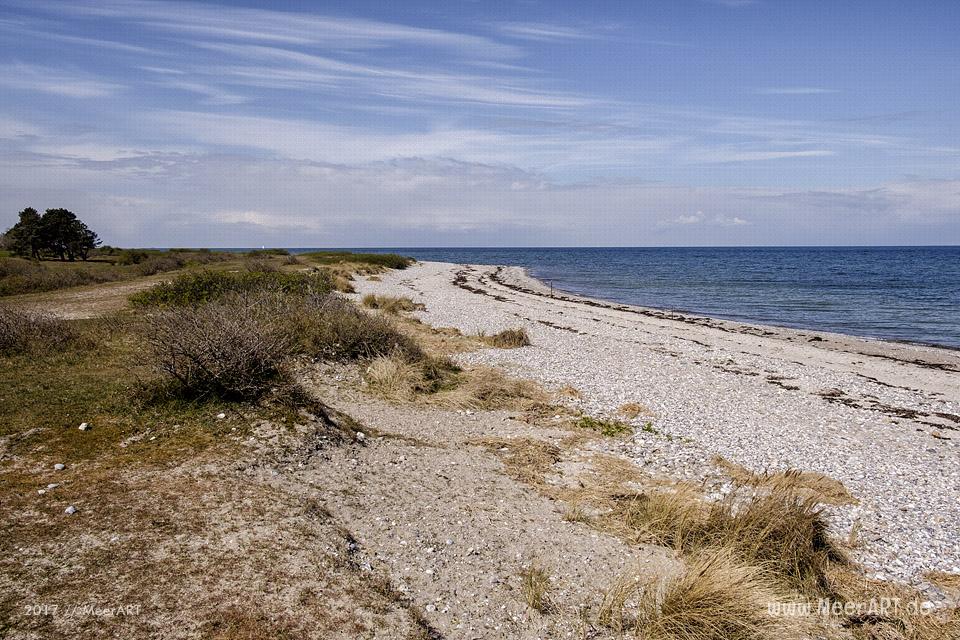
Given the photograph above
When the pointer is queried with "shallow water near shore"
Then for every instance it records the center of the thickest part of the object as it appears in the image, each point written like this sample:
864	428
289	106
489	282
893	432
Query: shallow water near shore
894	293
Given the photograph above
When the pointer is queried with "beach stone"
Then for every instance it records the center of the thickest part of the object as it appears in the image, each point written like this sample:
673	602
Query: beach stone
84	426
59	466
70	510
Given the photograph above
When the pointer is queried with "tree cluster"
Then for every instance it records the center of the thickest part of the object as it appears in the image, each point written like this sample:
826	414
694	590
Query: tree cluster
57	233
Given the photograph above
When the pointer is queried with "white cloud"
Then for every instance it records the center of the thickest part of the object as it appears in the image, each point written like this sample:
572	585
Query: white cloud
186	199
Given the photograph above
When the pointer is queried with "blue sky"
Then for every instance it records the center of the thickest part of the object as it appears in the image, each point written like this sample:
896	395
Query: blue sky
673	122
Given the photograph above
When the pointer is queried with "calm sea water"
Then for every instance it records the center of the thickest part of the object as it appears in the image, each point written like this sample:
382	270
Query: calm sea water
898	293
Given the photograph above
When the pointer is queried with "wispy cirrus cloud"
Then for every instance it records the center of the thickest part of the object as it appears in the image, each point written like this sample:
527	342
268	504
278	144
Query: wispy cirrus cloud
542	31
55	81
290	27
284	68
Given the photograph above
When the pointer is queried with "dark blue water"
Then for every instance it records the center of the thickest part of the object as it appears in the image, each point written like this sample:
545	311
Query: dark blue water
897	293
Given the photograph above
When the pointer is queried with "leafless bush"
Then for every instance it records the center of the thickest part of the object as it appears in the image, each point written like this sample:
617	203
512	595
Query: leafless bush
233	348
31	331
261	265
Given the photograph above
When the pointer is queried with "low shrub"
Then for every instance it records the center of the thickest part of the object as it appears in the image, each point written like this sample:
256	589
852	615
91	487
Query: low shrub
388	260
260	264
332	328
267	252
508	339
24	276
200	287
232	348
31	332
131	256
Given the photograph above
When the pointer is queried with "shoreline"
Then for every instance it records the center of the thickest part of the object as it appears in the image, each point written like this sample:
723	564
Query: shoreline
935	356
539	286
882	418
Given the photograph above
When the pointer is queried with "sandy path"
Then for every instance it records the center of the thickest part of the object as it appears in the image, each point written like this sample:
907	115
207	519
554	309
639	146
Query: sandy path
78	303
436	513
883	418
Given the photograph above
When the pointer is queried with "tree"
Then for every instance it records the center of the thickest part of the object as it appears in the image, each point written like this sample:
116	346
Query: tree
65	235
24	238
58	232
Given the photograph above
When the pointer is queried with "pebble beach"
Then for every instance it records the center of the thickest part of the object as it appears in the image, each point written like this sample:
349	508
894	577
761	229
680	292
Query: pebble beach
883	418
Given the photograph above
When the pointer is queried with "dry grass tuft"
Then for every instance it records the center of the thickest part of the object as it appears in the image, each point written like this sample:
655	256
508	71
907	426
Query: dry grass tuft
823	487
714	598
508	339
613	608
524	459
576	513
945	580
32	332
483	388
343	284
547	414
633	409
391	304
567	391
778	529
906	621
535	588
438	381
399	378
395	378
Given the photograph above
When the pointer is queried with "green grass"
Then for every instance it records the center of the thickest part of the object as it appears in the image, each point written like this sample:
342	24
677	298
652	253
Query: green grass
389	260
200	287
610	428
106	381
45	398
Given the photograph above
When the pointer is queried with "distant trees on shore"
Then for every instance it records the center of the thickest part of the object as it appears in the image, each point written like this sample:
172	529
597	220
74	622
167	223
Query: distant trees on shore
58	233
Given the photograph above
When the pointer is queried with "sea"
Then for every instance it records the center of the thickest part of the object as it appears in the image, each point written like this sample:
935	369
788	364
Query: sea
909	294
